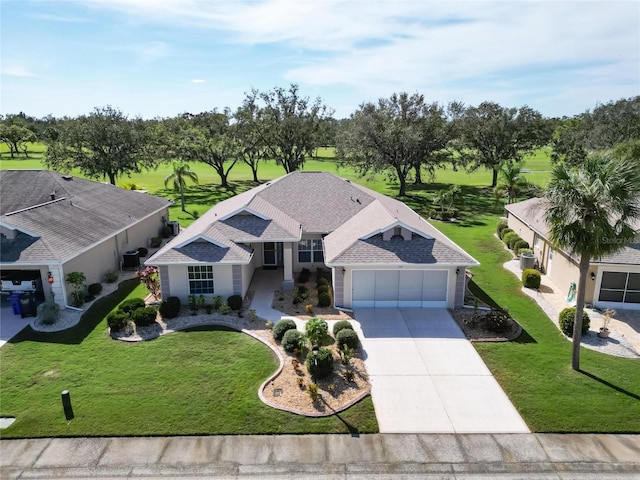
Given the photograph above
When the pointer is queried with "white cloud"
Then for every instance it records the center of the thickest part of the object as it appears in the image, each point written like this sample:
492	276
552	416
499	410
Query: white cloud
17	71
57	18
198	80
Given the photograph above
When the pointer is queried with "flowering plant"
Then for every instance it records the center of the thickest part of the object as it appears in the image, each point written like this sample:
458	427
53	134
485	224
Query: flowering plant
150	278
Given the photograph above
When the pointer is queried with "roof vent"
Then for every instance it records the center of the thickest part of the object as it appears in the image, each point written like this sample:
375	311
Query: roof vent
67	177
53	195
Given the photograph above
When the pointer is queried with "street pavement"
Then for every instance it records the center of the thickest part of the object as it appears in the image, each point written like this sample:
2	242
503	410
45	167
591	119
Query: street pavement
332	457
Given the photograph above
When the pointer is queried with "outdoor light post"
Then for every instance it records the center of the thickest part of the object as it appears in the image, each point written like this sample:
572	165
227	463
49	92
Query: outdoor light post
314	350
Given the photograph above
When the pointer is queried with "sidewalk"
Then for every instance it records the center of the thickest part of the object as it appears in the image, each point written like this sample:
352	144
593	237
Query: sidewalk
449	456
623	341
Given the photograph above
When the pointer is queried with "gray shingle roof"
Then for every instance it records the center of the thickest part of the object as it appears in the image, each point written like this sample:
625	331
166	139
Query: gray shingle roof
317	202
531	212
419	250
85	213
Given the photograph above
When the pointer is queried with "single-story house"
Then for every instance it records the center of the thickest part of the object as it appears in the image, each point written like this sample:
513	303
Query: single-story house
53	224
380	252
613	281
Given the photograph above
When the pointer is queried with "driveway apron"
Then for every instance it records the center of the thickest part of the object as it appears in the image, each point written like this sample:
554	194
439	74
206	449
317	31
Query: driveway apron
426	377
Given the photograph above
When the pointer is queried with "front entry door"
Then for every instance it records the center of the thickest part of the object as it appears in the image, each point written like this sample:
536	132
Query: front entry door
270	254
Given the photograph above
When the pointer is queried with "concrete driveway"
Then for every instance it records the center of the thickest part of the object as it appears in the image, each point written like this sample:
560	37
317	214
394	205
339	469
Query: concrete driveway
426	377
11	324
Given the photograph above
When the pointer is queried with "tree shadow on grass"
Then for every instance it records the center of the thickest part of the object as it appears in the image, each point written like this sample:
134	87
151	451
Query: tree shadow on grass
207	194
610	385
473	203
88	322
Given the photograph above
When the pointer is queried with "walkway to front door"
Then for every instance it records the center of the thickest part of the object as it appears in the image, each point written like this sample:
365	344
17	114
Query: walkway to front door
426	377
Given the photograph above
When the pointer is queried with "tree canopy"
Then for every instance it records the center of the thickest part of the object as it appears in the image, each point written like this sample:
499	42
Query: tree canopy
490	135
288	125
398	134
104	144
608	125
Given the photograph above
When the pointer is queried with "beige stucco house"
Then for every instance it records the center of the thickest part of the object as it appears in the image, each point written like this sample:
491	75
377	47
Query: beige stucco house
612	282
380	252
53	224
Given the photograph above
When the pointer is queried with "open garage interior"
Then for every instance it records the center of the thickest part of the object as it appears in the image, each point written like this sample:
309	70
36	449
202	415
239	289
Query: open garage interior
400	288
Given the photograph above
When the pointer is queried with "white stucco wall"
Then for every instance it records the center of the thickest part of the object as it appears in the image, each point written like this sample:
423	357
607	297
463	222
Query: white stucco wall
179	281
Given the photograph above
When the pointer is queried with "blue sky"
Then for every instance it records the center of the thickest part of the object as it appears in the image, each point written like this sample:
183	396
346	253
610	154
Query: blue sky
164	57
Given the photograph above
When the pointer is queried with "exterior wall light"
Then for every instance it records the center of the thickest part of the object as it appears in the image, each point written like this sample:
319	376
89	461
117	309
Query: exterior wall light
50	278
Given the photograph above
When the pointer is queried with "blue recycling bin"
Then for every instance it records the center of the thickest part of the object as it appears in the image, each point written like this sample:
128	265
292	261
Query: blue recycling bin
14	301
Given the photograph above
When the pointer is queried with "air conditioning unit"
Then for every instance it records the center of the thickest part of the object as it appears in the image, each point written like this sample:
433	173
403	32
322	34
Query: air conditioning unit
175	227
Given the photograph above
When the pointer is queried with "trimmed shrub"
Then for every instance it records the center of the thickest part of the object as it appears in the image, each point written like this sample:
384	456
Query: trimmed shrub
497	321
513	240
323	273
566	320
110	276
304	275
77	299
504	231
347	337
502	224
292	340
519	246
155	242
324	299
324	368
531	278
525	250
281	327
323	281
143	317
235	302
142	252
508	236
324	288
132	304
316	330
94	289
117	320
48	312
341	325
170	308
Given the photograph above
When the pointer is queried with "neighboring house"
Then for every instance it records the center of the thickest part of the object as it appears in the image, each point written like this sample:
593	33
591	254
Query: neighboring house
612	281
381	252
57	224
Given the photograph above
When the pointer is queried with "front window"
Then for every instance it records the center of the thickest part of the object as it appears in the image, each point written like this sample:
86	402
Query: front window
310	251
200	279
318	256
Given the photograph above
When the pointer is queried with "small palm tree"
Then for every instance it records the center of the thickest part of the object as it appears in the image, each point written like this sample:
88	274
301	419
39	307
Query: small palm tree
181	173
513	182
591	212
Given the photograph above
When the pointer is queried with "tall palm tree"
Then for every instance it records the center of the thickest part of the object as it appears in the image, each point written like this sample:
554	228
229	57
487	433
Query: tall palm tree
512	181
591	211
181	173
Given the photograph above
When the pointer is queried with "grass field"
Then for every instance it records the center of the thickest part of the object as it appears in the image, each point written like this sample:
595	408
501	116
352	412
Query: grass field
534	371
202	381
199	198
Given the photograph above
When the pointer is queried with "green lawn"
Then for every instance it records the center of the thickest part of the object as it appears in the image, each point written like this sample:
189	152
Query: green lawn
534	371
203	381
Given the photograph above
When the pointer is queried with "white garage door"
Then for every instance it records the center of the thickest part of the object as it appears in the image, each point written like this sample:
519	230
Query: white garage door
399	288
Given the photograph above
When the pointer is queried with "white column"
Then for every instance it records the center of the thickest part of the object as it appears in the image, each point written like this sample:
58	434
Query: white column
287	260
58	285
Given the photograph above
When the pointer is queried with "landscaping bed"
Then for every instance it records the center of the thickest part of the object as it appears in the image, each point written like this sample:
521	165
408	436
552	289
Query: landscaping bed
474	326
